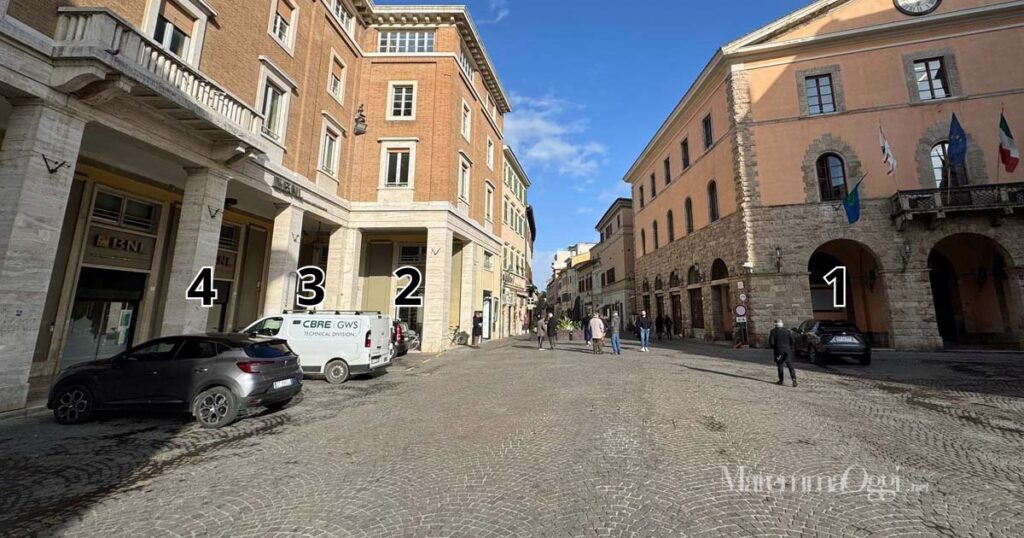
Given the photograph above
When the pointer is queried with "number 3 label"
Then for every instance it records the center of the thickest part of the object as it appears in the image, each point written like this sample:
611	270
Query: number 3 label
310	292
405	296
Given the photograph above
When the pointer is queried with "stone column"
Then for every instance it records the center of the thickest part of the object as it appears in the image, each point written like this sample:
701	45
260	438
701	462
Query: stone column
33	200
284	260
912	310
467	295
195	247
437	291
343	260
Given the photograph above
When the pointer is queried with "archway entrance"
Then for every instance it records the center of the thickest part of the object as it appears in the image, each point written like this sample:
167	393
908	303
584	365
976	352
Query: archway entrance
865	304
976	302
696	299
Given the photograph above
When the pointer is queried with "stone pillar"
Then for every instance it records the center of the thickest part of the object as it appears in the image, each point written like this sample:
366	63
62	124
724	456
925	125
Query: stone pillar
284	260
195	247
468	293
337	250
913	324
437	292
33	200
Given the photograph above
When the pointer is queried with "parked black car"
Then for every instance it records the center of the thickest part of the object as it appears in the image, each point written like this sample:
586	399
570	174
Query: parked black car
822	339
403	338
214	376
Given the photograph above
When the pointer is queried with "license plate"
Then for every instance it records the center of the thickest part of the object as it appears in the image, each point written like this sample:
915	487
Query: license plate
844	340
374	360
283	383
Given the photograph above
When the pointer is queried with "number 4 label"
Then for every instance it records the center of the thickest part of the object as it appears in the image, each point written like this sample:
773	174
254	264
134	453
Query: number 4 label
201	288
838	283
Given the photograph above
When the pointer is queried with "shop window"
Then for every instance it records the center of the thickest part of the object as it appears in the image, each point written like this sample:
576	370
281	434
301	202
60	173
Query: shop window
229	237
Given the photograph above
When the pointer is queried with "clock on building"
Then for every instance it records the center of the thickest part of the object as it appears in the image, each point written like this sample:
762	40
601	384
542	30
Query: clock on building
917	7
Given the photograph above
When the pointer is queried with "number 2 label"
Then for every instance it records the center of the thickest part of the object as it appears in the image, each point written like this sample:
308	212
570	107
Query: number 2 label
405	296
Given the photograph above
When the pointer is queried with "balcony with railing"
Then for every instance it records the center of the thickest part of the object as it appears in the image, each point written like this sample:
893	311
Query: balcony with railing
931	205
98	56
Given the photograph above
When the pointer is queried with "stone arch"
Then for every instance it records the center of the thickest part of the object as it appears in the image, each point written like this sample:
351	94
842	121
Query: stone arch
693	275
719	270
866	301
659	284
827	143
673	279
939	131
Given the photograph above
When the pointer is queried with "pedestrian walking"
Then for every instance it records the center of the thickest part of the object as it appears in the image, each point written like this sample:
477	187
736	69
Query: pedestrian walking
669	327
552	330
587	334
614	326
659	325
542	332
644	323
597	333
478	328
781	342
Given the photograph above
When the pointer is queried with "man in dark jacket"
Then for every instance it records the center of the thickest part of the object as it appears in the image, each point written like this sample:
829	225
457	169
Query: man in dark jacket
644	323
781	342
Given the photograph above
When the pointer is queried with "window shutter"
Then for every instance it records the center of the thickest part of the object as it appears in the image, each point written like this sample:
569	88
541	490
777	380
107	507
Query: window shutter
177	16
285	10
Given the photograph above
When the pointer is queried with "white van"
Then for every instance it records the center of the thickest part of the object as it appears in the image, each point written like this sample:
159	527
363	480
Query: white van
335	344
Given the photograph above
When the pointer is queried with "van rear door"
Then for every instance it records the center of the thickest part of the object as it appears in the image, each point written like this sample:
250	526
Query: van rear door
379	328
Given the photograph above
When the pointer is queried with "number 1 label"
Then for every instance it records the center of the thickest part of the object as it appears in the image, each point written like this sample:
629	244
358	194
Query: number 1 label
838	284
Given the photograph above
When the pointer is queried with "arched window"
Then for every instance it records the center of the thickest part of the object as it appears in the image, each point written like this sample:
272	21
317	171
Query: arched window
670	225
831	177
654	230
940	164
712	202
643	242
689	216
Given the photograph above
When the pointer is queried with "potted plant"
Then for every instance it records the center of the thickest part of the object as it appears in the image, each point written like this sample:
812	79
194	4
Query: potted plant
569	329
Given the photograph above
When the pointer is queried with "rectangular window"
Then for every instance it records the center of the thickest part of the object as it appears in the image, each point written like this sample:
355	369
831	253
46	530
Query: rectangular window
488	260
344	17
608	231
641	197
404	42
403	101
611	276
174	29
398	168
329	152
489	201
467	120
336	81
820	99
490	153
709	134
127	212
686	153
931	79
273	108
464	180
281	28
668	171
654	187
466	64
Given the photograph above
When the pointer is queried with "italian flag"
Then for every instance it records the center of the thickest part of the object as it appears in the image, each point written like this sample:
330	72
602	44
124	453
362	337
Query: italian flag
1008	153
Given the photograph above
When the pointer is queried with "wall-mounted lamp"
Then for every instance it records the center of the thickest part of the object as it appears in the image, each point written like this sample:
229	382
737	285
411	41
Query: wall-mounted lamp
360	127
905	256
778	259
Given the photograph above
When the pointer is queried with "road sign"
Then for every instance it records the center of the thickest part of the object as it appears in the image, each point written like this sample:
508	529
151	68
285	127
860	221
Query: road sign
740	310
741	319
743	297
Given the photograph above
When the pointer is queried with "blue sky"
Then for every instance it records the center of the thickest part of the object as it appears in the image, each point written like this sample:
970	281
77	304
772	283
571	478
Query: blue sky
590	82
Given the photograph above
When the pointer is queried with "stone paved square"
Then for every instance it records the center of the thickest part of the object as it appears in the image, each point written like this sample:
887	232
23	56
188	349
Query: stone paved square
511	441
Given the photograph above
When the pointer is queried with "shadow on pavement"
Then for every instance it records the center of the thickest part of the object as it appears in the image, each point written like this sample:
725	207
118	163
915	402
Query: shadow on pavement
986	373
727	374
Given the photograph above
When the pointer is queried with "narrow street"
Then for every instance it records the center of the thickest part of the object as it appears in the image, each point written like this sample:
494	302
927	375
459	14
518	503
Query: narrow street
511	441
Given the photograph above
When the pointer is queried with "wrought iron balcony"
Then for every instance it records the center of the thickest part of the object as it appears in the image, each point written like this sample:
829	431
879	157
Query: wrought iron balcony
997	200
99	56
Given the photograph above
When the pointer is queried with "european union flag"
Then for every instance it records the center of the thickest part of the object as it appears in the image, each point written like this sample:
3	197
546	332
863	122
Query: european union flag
852	203
957	144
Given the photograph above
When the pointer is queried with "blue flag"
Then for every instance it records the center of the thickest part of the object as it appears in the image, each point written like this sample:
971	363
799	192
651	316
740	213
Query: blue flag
957	144
852	203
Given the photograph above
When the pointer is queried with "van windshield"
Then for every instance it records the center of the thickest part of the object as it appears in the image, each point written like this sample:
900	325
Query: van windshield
267	327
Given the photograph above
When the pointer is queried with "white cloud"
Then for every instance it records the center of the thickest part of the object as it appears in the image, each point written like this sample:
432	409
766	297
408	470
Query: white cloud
499	10
540	133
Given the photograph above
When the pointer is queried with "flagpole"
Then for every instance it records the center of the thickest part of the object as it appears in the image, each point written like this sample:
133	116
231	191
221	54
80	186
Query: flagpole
895	180
999	154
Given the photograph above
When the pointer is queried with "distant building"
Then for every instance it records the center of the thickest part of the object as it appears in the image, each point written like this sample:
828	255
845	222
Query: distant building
614	261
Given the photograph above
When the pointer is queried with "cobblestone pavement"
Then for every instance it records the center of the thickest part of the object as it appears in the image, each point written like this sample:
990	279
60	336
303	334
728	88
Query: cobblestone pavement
511	441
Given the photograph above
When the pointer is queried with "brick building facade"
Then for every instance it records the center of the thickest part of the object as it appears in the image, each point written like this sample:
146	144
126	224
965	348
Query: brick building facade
143	140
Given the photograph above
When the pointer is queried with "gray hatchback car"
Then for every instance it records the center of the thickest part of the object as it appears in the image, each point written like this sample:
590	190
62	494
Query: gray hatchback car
215	376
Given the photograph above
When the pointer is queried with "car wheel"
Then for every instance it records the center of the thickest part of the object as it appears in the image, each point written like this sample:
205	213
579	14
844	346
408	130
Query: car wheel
215	408
336	372
817	357
277	406
392	352
865	360
73	405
